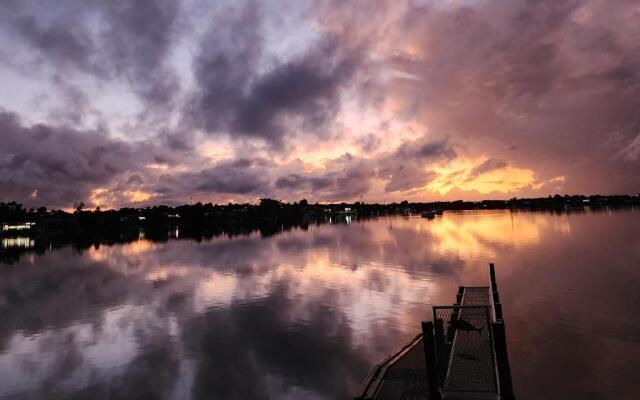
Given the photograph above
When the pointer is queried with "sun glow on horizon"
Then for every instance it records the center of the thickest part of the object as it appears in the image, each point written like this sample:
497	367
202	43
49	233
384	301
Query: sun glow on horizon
137	196
460	175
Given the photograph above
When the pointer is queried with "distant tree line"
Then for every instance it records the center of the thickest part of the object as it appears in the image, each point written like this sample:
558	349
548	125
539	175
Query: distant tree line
271	212
83	228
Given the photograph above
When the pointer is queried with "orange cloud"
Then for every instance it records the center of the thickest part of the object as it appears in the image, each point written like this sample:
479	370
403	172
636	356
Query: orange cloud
461	174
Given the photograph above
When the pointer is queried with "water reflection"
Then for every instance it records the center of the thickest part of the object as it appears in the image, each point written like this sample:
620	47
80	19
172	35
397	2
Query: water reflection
305	314
482	234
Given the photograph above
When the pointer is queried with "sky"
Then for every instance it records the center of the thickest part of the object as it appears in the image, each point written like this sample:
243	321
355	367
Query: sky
131	103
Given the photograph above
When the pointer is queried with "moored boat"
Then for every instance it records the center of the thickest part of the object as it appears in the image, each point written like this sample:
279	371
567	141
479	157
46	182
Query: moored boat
429	214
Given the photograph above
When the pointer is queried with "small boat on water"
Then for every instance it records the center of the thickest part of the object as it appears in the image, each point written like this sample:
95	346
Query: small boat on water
460	354
429	214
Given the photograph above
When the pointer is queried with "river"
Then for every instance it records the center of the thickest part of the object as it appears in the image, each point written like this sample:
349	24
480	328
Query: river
304	314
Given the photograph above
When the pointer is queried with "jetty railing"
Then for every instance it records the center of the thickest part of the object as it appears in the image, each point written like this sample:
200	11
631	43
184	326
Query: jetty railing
466	348
500	340
465	354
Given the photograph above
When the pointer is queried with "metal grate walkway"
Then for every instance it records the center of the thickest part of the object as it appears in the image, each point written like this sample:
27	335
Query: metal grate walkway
476	296
470	363
460	355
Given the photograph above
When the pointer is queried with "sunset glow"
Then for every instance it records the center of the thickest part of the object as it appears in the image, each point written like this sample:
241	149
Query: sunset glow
163	102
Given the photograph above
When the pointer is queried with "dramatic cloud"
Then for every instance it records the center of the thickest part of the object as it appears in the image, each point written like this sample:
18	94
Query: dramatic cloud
236	95
492	164
344	178
59	166
106	40
553	79
405	168
138	40
239	177
232	101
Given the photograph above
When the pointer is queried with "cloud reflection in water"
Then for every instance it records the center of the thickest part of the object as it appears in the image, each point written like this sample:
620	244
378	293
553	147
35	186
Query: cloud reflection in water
306	313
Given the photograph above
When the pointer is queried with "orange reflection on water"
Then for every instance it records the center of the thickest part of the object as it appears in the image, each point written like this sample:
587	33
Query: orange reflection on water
137	247
473	235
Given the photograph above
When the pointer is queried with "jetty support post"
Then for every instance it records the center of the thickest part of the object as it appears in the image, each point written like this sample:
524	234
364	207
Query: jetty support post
500	341
459	295
430	360
495	296
502	361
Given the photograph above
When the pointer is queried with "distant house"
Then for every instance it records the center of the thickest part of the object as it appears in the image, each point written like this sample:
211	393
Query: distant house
17	226
19	242
129	219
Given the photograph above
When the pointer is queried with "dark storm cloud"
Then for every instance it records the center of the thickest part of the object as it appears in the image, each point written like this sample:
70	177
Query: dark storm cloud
138	41
425	150
405	168
492	164
349	177
343	178
353	180
242	92
75	104
313	183
66	46
58	165
236	177
405	177
108	40
291	181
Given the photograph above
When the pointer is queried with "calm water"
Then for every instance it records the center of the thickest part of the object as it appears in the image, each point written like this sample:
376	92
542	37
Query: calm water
305	314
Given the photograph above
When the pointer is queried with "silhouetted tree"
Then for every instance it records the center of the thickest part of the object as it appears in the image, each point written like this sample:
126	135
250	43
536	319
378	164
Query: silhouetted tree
79	206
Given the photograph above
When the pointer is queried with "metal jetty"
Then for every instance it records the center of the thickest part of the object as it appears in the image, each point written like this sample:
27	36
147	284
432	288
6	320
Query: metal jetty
460	354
